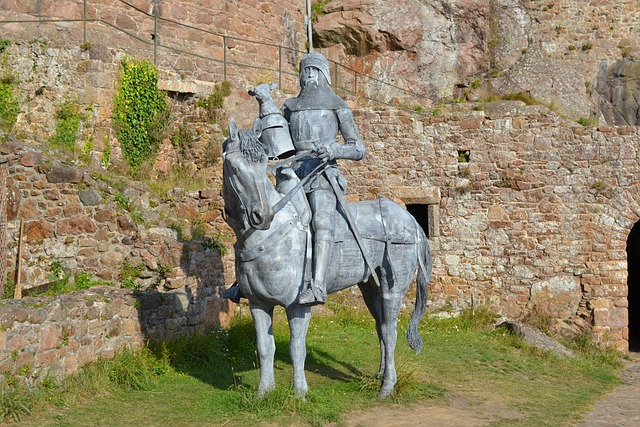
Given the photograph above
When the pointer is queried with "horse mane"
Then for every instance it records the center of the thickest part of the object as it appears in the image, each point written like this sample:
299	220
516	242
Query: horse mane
250	146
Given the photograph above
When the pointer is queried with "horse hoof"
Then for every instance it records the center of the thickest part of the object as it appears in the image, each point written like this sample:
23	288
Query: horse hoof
385	392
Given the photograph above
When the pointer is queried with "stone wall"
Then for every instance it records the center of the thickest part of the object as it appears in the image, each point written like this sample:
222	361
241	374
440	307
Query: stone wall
59	336
535	223
51	63
93	224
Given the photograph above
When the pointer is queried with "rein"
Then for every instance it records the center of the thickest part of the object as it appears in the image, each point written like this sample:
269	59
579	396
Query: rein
284	200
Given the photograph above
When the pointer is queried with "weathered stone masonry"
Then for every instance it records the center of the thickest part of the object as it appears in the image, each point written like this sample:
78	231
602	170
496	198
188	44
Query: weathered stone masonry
535	223
60	335
537	220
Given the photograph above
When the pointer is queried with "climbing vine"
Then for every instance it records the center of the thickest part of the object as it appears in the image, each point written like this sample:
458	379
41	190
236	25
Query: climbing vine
9	107
140	111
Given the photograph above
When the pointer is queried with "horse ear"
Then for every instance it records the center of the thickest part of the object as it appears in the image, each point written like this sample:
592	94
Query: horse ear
251	92
273	85
233	129
257	127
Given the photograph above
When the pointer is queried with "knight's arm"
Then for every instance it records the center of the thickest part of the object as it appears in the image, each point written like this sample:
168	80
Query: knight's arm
353	147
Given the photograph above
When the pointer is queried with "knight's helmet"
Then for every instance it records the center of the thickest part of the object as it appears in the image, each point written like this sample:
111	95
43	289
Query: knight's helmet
316	59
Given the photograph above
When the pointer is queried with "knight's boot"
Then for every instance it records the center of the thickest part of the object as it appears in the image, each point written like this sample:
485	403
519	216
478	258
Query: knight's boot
317	292
233	293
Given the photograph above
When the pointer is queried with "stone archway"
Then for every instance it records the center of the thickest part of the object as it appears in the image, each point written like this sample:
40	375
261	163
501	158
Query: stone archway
633	283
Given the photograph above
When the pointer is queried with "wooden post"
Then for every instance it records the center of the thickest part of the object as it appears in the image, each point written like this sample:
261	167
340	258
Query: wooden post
18	291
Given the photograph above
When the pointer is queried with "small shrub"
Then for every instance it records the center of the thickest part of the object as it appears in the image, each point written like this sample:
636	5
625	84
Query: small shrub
9	287
214	103
520	96
316	9
183	140
129	273
587	122
122	201
86	281
68	119
212	153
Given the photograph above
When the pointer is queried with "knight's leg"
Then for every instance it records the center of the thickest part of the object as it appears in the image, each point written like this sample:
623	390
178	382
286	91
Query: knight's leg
323	204
263	319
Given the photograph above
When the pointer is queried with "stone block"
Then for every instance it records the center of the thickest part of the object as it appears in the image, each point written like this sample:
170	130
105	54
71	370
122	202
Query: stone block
558	297
417	195
80	224
64	174
37	231
90	197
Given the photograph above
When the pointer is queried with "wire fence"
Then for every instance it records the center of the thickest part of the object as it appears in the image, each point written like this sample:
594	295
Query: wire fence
211	55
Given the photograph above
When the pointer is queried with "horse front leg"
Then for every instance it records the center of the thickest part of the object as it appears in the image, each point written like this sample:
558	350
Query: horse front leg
263	322
299	318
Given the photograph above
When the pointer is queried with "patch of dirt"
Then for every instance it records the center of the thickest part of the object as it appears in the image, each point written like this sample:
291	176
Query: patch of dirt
454	411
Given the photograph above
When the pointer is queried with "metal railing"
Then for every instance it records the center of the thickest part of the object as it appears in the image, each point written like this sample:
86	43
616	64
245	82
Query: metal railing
345	80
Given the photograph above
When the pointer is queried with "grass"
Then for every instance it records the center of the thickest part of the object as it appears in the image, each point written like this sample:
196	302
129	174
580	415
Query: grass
212	380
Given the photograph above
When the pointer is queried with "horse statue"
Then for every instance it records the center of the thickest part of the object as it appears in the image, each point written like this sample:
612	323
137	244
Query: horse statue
271	224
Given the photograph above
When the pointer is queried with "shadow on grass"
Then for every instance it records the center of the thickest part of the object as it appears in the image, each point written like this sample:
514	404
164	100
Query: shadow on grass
227	358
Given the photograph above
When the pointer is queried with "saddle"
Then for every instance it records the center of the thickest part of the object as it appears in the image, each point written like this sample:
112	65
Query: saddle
373	219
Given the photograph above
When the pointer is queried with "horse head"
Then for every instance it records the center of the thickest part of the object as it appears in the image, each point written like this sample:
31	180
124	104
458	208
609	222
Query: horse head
245	178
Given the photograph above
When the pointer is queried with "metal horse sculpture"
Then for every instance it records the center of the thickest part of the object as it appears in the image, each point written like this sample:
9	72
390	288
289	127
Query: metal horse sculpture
272	253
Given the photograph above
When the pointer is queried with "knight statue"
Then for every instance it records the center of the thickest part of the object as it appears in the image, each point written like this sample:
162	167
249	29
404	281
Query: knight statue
315	117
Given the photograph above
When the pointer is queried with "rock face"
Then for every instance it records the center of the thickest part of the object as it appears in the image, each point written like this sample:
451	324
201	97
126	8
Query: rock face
474	49
619	86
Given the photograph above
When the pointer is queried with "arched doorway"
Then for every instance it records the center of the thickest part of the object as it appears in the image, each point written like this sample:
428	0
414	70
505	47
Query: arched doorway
633	283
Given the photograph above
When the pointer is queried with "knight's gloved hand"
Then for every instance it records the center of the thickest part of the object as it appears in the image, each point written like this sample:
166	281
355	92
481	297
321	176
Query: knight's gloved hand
327	152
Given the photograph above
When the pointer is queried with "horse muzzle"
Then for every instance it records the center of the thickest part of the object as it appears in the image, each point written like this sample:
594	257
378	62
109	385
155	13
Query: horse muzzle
260	219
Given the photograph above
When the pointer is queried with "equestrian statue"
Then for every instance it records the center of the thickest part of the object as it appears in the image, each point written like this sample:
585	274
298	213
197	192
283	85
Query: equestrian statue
301	239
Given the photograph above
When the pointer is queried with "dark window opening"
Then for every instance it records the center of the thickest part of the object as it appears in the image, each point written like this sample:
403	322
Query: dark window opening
464	156
421	214
633	283
179	96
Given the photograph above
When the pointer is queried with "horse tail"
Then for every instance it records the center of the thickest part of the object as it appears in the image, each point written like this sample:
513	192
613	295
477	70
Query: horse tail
425	267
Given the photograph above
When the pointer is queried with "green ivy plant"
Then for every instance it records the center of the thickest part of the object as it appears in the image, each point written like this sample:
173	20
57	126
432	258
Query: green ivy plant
9	107
140	111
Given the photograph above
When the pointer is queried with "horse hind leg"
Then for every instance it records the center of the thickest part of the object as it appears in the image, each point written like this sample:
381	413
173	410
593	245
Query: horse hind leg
373	300
299	317
391	301
263	321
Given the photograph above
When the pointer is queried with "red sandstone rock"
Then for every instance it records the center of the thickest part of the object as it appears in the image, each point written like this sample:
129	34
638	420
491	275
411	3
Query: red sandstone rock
76	225
37	231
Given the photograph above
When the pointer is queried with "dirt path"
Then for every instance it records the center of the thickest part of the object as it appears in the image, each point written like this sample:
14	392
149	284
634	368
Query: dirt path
620	408
458	414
